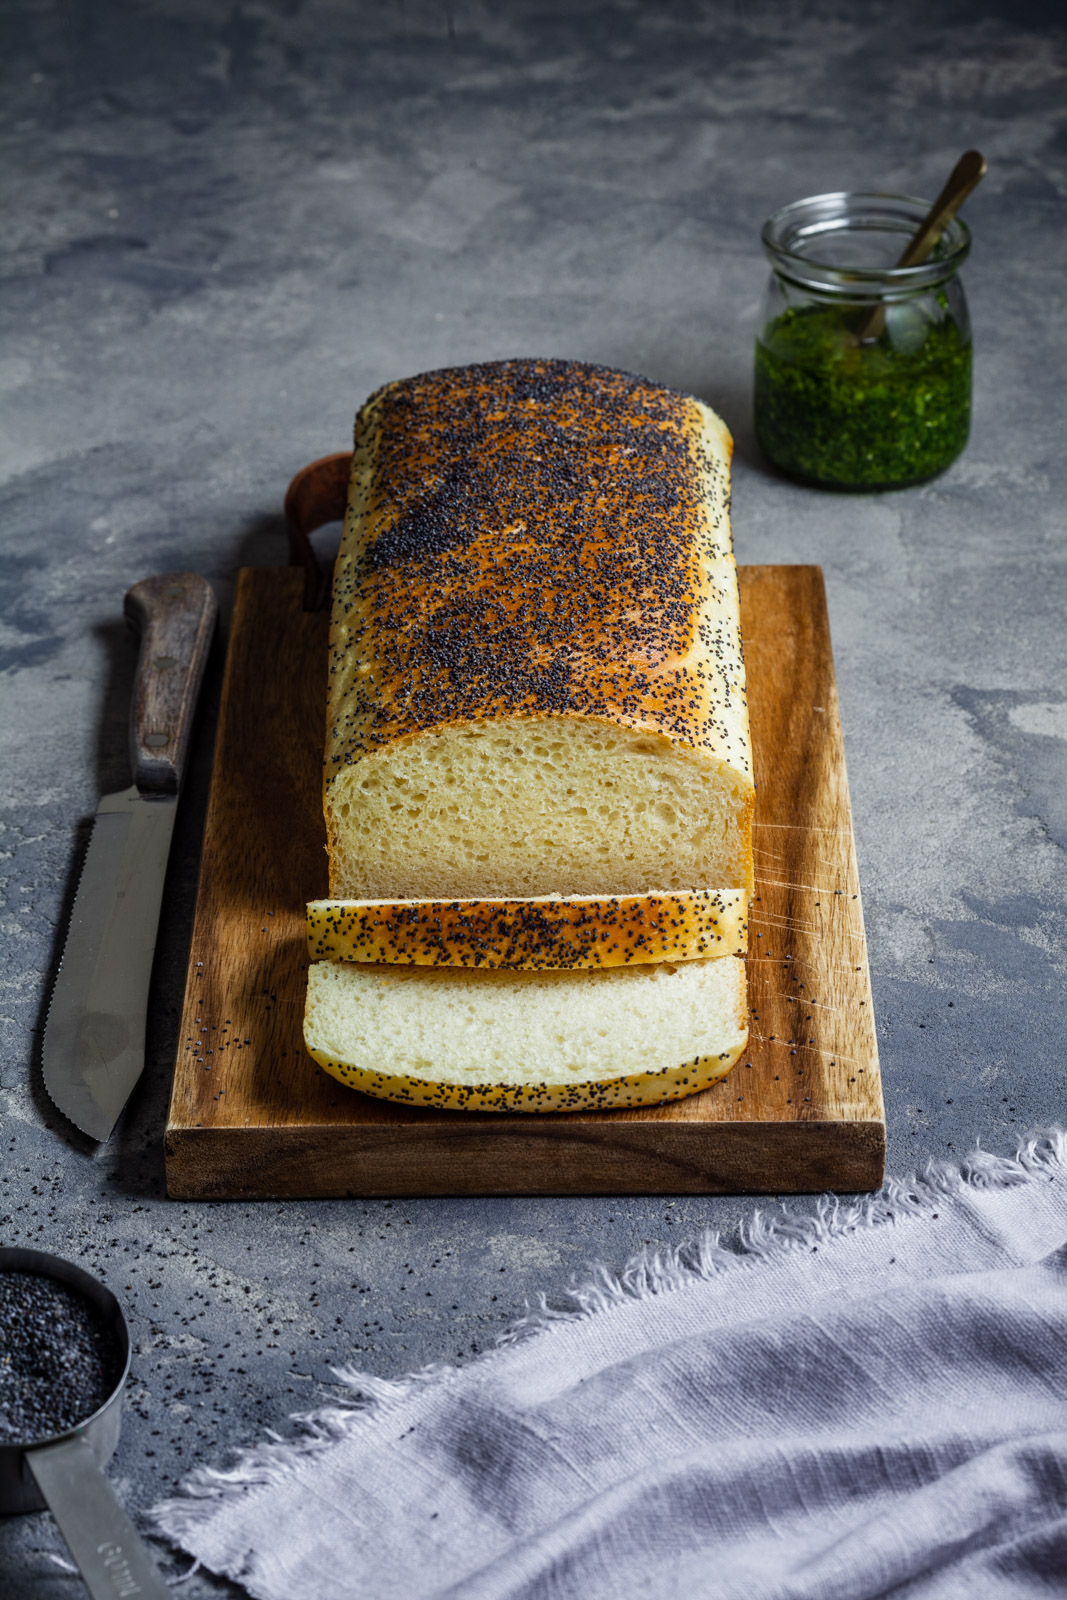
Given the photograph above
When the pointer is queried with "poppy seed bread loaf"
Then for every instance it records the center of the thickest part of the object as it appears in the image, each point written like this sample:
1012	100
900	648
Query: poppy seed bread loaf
536	684
455	1039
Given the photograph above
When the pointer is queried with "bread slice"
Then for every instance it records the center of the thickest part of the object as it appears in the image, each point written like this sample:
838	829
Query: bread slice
619	931
536	681
455	1039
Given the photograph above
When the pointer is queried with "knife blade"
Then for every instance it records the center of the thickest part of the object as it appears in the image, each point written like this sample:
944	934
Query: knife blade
93	1051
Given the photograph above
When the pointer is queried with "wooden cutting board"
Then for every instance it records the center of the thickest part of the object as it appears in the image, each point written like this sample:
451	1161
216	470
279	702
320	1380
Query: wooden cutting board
252	1115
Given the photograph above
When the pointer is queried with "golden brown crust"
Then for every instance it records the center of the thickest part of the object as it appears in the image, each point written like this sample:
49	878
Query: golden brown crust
532	539
542	933
608	1094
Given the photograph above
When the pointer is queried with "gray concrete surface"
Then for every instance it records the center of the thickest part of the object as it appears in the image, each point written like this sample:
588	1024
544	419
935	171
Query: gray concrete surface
225	225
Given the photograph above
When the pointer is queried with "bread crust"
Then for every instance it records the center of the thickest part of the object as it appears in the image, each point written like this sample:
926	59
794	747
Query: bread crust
537	540
607	1094
578	931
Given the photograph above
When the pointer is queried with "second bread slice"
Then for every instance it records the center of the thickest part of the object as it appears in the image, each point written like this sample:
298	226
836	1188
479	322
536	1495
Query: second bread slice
453	1038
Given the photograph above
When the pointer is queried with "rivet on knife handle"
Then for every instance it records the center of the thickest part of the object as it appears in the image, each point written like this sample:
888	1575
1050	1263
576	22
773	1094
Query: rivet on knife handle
175	615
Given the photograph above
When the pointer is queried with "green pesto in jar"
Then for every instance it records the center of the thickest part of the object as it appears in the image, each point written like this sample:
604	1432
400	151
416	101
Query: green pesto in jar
872	415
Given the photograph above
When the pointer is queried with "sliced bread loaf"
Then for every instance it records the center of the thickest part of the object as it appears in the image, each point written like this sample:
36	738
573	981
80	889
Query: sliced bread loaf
579	931
458	1039
536	683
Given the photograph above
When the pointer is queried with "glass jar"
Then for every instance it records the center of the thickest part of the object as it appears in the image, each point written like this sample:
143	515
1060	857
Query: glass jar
863	369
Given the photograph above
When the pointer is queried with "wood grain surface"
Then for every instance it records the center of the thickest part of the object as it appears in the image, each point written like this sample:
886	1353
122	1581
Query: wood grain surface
251	1114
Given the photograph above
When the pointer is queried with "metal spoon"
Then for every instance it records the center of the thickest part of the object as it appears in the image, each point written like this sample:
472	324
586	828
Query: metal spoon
965	175
65	1471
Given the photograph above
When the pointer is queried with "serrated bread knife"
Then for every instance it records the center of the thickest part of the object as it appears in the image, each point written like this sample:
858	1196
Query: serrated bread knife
94	1036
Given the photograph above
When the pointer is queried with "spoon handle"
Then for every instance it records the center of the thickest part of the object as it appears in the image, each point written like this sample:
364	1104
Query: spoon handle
965	175
968	171
111	1555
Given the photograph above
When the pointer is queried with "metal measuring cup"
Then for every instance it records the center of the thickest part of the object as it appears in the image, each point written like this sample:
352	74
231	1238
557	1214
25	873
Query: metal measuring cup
64	1471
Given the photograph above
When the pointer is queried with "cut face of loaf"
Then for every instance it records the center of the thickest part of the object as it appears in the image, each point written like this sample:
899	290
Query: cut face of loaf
536	680
621	930
519	808
527	1041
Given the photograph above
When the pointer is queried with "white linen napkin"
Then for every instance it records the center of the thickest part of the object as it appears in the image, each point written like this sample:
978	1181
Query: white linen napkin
870	1402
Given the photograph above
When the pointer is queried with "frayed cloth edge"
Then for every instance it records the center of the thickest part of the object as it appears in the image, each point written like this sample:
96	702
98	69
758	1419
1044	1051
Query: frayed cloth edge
764	1238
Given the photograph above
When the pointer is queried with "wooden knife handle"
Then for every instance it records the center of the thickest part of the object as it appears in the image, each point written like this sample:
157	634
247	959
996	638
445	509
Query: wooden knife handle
175	616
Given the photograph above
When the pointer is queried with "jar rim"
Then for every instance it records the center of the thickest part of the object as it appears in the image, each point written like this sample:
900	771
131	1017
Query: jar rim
790	233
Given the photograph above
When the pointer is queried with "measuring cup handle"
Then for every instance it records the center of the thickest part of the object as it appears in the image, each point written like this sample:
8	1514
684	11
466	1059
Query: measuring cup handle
110	1553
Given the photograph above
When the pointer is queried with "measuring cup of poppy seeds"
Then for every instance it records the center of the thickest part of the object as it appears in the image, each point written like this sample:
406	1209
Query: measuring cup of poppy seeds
64	1357
863	367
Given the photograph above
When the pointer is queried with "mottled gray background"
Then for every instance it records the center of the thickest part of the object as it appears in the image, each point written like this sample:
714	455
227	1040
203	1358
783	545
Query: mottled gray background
224	225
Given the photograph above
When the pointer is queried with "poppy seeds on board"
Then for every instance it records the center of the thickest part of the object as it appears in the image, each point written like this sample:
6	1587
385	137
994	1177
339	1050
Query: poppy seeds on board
59	1360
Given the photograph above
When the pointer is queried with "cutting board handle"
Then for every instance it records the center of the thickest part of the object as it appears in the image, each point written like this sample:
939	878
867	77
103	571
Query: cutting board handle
175	616
317	495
